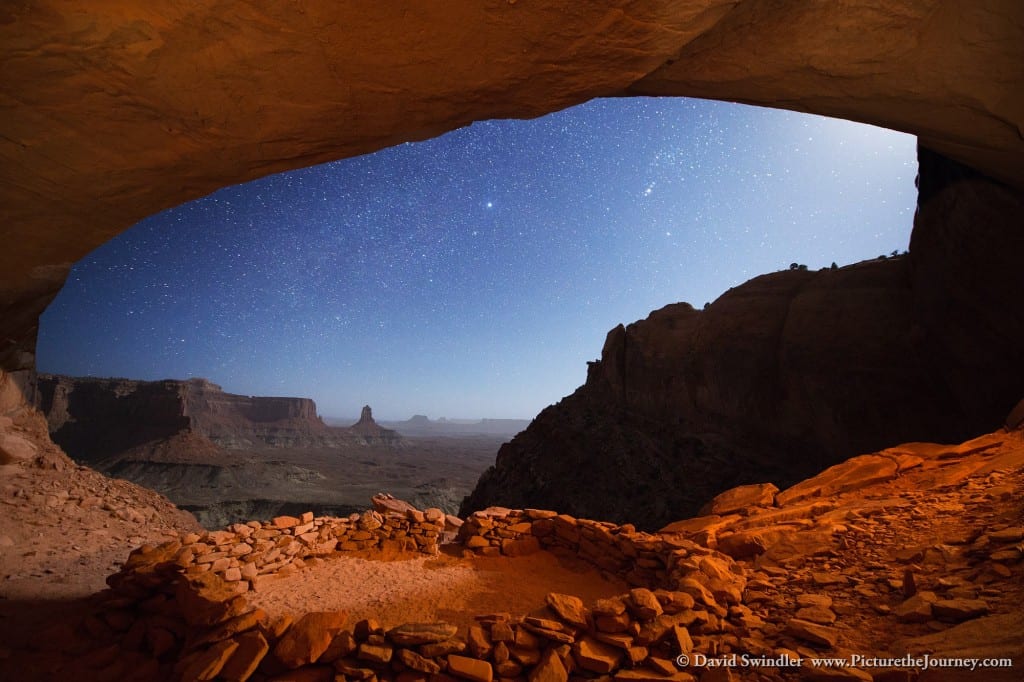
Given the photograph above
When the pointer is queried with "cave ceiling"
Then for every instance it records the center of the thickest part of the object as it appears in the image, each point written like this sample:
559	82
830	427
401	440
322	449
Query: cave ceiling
112	111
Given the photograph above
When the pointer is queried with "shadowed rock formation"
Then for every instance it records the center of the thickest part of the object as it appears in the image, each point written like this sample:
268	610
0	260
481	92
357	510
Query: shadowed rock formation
94	419
790	372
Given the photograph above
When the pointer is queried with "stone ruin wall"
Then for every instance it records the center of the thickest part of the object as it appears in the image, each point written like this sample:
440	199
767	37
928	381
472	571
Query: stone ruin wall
246	555
178	610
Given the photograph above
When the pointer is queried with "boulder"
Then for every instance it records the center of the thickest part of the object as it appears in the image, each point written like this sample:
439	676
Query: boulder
309	637
740	498
549	669
471	669
206	599
812	632
15	448
252	647
957	610
207	664
569	608
597	657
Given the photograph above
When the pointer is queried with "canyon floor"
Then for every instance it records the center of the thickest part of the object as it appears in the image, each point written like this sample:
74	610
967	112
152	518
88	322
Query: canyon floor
223	486
917	549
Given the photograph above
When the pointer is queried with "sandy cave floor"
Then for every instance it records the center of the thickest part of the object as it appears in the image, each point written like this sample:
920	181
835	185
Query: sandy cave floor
416	588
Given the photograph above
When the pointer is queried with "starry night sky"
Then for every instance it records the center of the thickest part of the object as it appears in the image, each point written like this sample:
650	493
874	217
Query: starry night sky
473	275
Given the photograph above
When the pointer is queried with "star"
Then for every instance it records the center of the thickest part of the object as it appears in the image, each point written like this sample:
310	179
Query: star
378	275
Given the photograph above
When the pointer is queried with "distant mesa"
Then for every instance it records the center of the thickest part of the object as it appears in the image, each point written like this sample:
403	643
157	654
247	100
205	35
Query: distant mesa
96	419
421	425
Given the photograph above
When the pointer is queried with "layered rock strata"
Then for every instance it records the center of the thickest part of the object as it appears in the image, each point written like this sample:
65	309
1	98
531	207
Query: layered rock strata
94	419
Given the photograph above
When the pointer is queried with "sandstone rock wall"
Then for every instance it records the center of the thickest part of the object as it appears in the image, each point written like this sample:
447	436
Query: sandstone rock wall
248	555
641	559
790	372
160	624
966	251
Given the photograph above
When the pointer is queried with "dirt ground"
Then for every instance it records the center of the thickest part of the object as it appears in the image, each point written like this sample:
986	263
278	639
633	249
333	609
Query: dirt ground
415	588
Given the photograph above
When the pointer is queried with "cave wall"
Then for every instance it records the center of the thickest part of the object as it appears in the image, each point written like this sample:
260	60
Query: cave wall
113	111
967	267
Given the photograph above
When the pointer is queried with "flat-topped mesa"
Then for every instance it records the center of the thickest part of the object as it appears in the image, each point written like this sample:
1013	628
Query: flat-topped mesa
236	421
93	418
370	432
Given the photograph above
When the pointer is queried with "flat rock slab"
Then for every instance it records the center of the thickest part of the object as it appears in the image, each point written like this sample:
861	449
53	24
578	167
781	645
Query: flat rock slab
740	498
849	475
412	634
812	632
957	610
309	637
1000	636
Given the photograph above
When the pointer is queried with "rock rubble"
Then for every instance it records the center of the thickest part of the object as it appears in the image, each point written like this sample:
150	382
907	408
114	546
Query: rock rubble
915	549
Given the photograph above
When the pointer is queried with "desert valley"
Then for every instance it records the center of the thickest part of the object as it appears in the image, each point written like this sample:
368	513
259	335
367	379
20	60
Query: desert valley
816	476
229	458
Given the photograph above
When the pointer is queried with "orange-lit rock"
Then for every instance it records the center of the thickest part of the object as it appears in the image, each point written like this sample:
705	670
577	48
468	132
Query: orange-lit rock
308	638
107	104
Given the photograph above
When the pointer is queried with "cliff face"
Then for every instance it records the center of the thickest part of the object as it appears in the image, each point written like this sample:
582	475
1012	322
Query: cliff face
90	418
238	421
790	372
97	418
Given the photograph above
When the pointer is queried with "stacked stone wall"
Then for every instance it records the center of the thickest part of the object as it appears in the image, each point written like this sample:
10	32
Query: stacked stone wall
641	559
246	555
178	611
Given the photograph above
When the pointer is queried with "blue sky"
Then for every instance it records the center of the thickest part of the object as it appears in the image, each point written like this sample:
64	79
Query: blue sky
473	275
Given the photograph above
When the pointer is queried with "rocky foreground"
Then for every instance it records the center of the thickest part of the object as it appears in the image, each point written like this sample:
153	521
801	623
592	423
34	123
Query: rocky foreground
65	527
855	574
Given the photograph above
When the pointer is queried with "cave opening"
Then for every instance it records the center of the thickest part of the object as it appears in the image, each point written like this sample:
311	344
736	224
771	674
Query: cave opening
115	114
472	275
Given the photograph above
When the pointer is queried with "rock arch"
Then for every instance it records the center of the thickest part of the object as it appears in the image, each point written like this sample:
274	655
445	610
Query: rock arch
114	111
